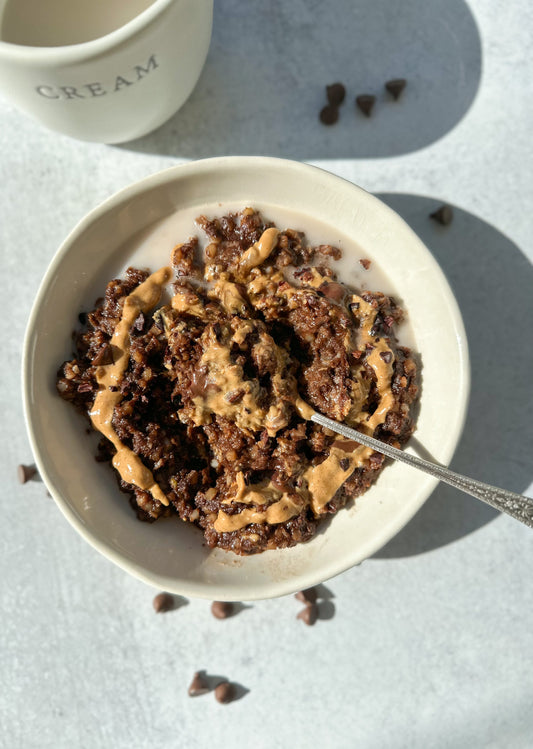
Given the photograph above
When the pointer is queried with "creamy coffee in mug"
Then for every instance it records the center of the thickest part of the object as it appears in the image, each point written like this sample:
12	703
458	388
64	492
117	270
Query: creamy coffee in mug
102	70
56	23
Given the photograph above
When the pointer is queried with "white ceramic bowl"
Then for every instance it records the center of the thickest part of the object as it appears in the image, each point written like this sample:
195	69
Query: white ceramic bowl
169	554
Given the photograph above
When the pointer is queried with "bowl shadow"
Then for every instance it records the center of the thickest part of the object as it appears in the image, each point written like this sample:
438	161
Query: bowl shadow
263	85
492	281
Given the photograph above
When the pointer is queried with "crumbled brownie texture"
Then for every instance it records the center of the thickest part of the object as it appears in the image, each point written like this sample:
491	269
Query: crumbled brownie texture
275	346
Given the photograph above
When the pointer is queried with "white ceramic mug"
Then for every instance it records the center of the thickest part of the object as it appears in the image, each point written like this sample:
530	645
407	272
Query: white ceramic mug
118	86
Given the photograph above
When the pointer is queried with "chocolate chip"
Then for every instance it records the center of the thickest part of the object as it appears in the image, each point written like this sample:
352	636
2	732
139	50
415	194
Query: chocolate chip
365	102
335	93
369	347
104	356
224	692
280	482
329	115
344	464
198	685
443	215
309	614
221	609
376	326
333	291
85	387
25	473
307	596
386	356
139	322
365	263
234	396
162	603
395	87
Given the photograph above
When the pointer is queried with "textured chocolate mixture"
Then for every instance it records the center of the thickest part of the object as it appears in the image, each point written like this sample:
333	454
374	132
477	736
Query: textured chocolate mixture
202	403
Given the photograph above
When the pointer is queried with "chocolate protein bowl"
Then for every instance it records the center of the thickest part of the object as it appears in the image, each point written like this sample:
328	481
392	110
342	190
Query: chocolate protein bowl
215	306
203	402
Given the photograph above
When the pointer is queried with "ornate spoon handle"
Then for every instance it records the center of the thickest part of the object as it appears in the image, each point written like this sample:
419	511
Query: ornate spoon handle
516	505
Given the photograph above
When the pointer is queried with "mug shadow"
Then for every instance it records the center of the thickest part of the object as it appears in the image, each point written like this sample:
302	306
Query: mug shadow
492	281
263	85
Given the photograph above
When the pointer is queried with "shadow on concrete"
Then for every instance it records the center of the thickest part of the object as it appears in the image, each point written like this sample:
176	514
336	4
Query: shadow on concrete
264	81
492	281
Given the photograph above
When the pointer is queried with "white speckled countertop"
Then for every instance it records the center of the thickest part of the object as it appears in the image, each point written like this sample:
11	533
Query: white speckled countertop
426	645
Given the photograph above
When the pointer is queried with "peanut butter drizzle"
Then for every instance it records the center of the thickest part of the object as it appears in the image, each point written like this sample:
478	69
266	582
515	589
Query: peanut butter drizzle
258	252
382	369
185	300
323	481
282	507
230	297
127	463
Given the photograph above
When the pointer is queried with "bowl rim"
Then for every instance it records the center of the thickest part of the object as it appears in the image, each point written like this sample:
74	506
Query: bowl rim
183	171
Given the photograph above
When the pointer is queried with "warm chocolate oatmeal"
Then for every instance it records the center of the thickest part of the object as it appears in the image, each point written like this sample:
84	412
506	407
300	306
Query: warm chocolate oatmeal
202	402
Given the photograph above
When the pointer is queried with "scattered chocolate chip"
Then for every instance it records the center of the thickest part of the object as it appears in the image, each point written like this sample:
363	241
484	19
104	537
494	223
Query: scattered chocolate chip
309	614
224	692
306	596
395	87
85	387
443	215
162	603
104	356
25	473
221	609
335	93
365	102
386	356
82	317
344	464
329	115
369	347
198	685
365	263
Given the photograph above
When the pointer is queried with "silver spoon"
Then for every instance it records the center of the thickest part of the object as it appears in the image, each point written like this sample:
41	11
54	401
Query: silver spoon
516	505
